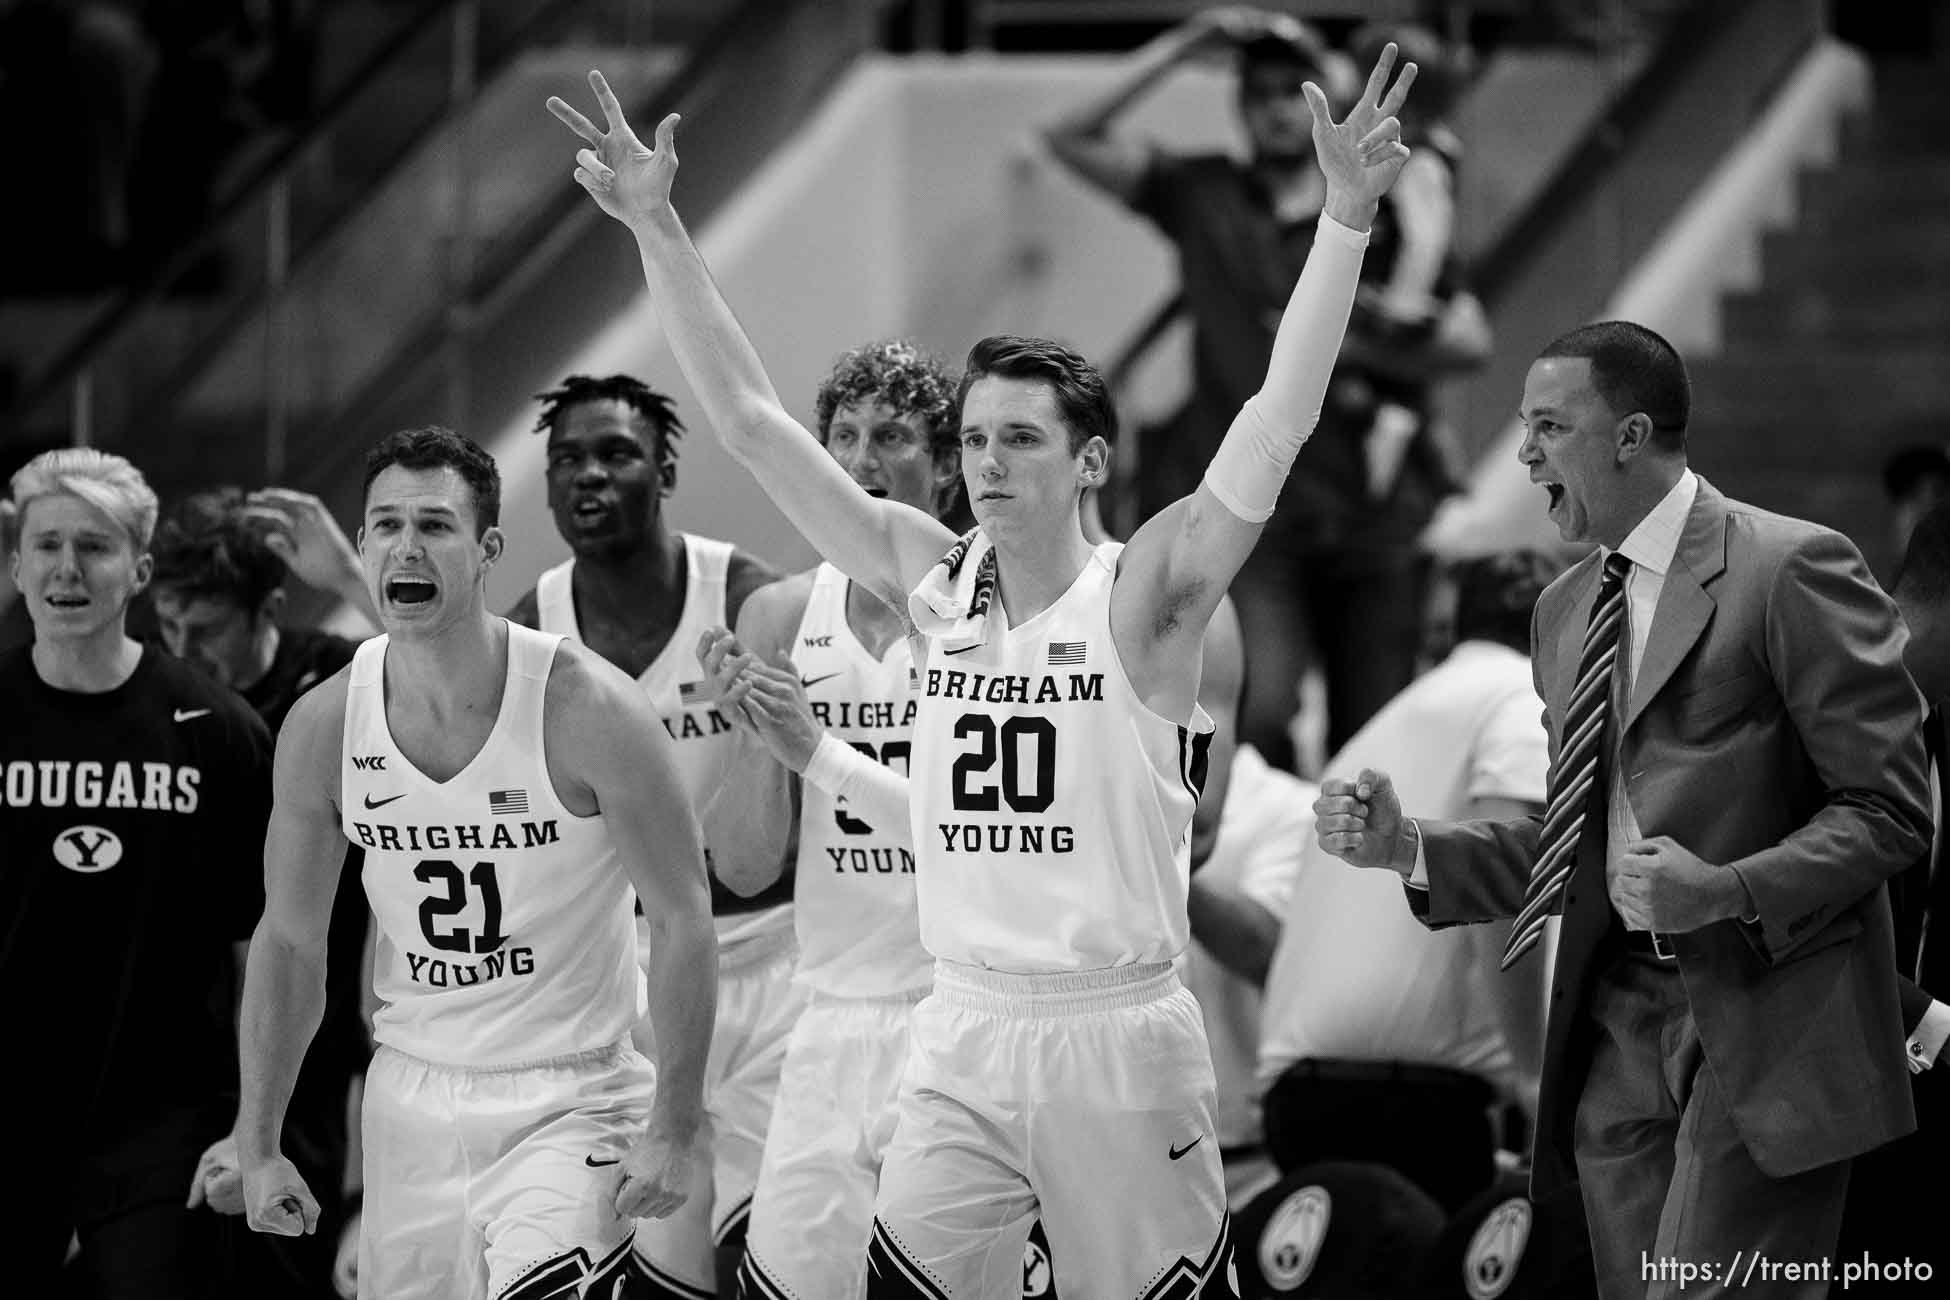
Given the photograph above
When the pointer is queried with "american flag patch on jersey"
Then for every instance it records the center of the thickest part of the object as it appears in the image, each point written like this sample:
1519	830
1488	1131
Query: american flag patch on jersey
1066	652
690	692
508	803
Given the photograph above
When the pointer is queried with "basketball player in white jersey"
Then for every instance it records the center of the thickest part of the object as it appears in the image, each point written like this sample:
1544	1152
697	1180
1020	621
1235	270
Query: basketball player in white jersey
509	789
639	593
1057	1064
817	671
886	415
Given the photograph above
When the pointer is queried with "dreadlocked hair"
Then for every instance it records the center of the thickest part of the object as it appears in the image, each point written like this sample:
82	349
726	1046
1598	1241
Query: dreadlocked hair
901	375
646	401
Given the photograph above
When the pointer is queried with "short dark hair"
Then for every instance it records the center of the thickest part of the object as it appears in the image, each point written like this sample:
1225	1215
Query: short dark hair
1082	397
1924	577
1912	466
1633	369
658	410
1496	593
435	447
206	547
901	375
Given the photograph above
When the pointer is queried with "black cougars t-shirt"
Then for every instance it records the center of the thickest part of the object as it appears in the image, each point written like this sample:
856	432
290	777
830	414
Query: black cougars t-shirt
131	860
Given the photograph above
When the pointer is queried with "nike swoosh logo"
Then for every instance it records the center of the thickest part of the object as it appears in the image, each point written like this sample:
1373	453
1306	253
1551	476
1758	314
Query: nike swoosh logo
184	715
381	803
1178	1152
810	682
594	1163
964	650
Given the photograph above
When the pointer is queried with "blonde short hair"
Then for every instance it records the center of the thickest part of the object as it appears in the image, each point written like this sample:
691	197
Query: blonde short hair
105	481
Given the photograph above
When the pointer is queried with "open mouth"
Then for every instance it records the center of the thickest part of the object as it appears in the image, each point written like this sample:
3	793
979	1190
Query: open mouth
589	509
1555	491
877	493
68	602
409	591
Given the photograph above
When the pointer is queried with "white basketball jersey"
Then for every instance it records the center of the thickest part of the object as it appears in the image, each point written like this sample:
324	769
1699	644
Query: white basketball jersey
1053	807
700	737
504	920
859	934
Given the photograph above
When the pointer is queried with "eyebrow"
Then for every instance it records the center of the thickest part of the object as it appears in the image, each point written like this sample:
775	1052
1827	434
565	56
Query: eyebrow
388	508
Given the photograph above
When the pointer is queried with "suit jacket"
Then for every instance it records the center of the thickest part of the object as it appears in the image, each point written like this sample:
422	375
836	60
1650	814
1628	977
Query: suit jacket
1772	728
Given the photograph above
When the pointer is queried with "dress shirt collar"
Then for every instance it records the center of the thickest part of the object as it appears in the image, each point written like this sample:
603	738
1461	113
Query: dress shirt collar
1652	544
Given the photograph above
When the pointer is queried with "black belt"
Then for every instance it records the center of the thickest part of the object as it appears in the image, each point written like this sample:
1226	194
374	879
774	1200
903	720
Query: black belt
1650	943
1334	1070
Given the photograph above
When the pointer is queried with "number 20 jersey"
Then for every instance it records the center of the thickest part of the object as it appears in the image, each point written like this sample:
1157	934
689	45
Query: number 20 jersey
505	920
1052	807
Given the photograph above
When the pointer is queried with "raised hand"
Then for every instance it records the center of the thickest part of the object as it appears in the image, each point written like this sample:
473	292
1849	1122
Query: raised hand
628	181
1362	154
300	531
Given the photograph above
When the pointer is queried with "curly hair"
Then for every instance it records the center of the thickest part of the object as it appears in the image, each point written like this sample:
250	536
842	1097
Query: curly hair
901	375
657	409
206	547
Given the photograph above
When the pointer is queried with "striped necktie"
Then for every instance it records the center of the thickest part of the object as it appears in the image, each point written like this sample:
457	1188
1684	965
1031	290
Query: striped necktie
1575	773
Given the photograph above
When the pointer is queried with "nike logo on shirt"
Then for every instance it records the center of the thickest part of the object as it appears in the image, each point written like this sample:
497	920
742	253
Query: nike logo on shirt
184	715
1178	1152
594	1163
381	803
810	682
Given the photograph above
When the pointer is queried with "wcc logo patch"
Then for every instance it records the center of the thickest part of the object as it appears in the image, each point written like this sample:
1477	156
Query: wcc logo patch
87	849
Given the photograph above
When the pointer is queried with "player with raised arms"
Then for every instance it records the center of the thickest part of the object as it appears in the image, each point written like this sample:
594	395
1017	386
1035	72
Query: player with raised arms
1057	752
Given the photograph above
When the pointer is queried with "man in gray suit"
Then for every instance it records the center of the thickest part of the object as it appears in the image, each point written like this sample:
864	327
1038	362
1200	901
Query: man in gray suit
1737	767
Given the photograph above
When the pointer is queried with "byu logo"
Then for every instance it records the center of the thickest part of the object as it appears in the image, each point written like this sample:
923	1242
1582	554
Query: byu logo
1035	1270
87	849
1496	1250
370	762
1290	1242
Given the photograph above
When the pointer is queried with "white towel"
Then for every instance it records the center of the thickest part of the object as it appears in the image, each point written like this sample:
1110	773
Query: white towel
952	603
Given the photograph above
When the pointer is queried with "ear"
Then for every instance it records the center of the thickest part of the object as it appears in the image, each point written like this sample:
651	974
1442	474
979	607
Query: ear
666	478
145	568
270	607
1093	463
1633	435
493	542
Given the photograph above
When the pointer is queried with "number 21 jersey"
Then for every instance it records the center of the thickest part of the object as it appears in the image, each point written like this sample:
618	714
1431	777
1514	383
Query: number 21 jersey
506	919
1052	807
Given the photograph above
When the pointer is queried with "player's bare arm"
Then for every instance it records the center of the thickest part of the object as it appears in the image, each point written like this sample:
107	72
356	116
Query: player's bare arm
745	576
1179	564
607	752
886	545
284	979
751	821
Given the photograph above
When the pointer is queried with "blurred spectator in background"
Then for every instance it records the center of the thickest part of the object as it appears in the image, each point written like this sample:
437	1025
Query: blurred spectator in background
95	61
1914	479
1344	537
133	808
221	558
1381	1040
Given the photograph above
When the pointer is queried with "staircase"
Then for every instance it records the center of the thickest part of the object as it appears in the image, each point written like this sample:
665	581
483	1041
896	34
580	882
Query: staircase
1843	355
